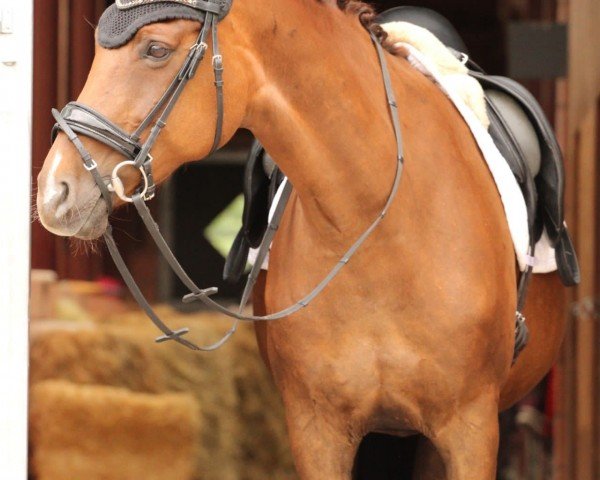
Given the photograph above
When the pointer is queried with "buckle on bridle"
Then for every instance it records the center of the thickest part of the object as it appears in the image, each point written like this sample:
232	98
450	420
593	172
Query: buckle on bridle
116	184
199	45
91	166
197	52
217	62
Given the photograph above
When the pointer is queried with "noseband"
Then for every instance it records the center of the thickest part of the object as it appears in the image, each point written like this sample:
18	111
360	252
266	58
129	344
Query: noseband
77	118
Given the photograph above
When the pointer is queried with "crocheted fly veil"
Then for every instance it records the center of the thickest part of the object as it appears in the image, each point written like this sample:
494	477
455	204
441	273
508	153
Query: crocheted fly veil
120	22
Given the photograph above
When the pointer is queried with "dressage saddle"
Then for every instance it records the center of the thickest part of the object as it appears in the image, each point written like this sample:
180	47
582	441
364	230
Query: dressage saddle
518	127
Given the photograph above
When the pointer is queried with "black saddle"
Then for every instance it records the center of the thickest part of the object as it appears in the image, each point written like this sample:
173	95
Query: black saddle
523	135
261	180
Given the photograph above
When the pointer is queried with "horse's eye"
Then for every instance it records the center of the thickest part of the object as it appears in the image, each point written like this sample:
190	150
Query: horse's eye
157	51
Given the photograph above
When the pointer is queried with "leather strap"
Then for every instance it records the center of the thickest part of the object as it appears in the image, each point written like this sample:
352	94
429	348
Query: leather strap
265	244
204	295
217	63
90	164
175	335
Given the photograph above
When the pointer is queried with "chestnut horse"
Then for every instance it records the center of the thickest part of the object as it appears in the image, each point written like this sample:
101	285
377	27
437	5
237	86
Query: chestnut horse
416	335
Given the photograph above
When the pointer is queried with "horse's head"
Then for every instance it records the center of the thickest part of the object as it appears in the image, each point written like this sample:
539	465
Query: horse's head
140	50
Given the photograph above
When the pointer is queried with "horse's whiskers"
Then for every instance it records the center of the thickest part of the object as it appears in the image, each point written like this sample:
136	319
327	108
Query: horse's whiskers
91	24
34	214
84	247
126	233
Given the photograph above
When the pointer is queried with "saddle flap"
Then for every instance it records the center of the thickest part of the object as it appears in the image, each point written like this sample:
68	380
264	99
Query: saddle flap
237	258
256	197
517	141
255	218
513	132
566	260
550	180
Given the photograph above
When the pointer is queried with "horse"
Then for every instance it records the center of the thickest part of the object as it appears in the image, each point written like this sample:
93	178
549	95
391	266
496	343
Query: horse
416	335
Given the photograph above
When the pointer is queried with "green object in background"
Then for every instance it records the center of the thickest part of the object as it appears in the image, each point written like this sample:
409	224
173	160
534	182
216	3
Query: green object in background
221	232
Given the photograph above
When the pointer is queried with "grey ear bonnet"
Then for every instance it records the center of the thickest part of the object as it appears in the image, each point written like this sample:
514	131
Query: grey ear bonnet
217	6
120	22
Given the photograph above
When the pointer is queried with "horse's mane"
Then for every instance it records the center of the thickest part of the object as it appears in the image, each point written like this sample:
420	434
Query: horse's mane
366	14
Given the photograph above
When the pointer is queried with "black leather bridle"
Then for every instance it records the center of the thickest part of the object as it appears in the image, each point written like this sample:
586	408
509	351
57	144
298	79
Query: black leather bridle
77	118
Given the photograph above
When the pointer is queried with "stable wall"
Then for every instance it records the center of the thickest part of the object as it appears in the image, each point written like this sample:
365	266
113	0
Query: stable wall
584	60
577	433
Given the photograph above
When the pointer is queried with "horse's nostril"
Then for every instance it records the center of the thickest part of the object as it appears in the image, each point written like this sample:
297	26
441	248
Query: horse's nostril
57	197
64	194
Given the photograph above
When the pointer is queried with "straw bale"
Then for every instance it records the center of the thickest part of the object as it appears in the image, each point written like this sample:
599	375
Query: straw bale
125	355
243	434
106	433
95	356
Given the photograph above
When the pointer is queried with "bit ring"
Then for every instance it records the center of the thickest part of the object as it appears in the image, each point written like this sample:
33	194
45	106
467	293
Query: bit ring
117	184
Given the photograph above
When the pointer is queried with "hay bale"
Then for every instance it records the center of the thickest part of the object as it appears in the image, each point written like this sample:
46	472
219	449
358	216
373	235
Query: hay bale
127	357
243	435
102	433
96	356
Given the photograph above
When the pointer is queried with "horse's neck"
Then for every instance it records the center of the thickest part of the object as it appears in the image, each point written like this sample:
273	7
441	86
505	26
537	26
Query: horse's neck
321	112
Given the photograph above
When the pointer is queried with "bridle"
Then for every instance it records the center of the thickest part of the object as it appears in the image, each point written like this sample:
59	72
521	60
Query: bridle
78	118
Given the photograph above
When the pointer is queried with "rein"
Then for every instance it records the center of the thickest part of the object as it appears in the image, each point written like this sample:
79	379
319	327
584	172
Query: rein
77	118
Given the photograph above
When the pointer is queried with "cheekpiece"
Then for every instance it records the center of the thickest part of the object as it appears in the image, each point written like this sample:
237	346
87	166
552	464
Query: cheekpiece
121	21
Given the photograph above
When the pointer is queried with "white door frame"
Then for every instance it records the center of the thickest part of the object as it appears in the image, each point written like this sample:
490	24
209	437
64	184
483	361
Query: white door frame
16	59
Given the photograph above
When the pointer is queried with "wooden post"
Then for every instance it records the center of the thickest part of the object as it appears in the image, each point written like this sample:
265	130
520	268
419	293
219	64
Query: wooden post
586	400
16	60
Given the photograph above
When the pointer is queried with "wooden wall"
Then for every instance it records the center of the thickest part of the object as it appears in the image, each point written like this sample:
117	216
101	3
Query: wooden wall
577	434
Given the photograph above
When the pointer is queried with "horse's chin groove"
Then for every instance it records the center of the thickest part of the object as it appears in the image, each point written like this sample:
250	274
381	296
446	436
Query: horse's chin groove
95	224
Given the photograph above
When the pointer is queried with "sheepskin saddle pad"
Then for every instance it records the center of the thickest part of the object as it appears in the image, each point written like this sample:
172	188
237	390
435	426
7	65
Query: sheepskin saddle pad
510	113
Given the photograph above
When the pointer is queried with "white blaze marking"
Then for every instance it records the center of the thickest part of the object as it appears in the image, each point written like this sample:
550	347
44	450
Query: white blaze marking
51	189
